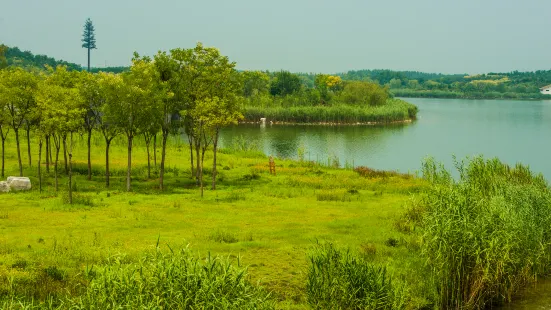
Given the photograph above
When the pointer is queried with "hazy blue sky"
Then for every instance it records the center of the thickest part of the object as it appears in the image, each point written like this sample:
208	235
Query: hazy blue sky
459	36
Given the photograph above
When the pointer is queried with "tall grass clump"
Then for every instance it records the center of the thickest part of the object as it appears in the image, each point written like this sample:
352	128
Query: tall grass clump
338	279
173	280
486	233
394	110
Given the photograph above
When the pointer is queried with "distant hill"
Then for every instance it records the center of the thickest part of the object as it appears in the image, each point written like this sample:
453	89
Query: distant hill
17	57
26	59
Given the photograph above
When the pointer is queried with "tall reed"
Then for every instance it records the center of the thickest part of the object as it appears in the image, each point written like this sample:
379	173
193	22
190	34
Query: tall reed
172	280
394	110
487	233
338	279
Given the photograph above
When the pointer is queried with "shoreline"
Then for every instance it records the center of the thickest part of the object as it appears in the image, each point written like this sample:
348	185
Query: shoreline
473	98
406	121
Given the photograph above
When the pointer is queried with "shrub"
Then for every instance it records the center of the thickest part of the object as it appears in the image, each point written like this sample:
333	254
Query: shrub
223	237
373	173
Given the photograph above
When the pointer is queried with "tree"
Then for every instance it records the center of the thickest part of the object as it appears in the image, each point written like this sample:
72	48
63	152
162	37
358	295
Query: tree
285	83
211	86
212	114
255	83
90	92
395	83
4	117
169	83
363	93
327	84
60	104
111	92
3	60
137	106
89	38
20	101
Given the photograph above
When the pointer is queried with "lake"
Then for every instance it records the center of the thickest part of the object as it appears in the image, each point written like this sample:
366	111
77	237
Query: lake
514	131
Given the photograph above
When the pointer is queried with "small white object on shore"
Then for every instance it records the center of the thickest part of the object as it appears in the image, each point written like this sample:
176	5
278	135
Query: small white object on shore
4	187
19	183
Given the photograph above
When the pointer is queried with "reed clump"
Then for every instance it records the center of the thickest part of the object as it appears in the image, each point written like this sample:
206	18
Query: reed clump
339	279
395	110
160	280
486	233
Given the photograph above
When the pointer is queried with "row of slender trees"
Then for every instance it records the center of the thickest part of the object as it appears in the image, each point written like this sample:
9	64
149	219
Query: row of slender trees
193	91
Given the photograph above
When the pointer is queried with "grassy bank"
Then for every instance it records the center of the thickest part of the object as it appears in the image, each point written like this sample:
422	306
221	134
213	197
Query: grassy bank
395	110
269	222
311	236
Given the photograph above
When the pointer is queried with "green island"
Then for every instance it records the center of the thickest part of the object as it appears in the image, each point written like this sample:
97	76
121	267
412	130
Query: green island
135	204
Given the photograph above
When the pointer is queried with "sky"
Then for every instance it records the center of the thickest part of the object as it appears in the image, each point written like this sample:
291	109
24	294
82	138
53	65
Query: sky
446	36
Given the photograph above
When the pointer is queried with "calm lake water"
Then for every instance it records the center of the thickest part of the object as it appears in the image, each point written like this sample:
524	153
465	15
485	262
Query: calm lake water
514	131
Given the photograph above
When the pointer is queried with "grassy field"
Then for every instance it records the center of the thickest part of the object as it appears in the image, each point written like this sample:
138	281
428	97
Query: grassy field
268	222
312	236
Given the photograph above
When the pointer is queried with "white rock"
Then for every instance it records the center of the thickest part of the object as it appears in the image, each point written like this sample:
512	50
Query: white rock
4	187
19	183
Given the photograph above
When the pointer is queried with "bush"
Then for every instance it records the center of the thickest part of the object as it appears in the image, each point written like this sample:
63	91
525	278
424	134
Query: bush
486	234
337	279
372	173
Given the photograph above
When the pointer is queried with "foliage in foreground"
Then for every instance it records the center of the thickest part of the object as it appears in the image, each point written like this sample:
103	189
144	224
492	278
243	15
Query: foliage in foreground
338	279
486	234
174	280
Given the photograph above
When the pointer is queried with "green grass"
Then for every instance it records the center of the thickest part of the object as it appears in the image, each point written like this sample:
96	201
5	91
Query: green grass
270	222
395	110
386	240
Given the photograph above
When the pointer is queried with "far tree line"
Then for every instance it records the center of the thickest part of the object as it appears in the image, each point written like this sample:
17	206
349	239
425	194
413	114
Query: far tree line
196	91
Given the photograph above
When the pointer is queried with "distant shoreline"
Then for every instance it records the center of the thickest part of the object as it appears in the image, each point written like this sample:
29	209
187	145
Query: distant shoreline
406	121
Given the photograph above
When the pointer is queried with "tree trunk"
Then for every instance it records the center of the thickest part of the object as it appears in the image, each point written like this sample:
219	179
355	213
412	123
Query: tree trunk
18	152
56	177
201	173
190	139
198	159
128	171
50	152
148	159
88	59
28	129
57	144
107	144
155	150
89	151
214	149
47	153
65	153
39	168
3	155
163	156
71	169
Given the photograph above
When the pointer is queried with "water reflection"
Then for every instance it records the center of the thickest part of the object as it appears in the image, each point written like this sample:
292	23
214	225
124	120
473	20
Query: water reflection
348	143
